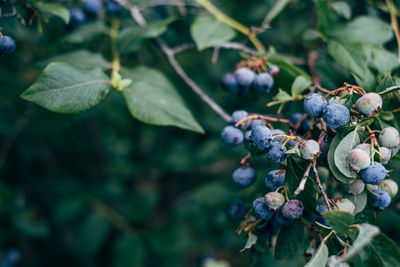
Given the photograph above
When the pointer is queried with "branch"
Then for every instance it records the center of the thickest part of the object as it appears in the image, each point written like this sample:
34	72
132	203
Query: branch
321	187
394	24
238	46
303	181
170	54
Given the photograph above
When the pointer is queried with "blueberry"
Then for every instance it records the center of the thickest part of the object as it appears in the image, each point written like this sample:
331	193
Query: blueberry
319	217
244	176
336	115
261	209
263	82
380	199
112	7
389	186
356	187
237	209
275	179
358	159
389	137
276	153
324	148
386	154
309	149
282	220
246	139
314	104
257	122
304	126
346	205
369	104
92	7
238	115
77	16
12	256
7	45
278	132
274	200
292	209
374	174
261	137
244	76
232	136
229	83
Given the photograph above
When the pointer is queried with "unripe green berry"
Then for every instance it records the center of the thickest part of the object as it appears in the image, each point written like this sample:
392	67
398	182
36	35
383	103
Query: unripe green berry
309	149
358	159
274	200
385	155
346	205
369	104
389	137
389	186
367	148
357	187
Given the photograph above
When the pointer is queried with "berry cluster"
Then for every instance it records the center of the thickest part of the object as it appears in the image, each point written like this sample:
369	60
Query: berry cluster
327	114
91	8
244	77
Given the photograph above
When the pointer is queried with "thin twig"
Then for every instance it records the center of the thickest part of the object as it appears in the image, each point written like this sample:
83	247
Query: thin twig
238	46
170	54
311	59
320	186
181	48
394	24
303	181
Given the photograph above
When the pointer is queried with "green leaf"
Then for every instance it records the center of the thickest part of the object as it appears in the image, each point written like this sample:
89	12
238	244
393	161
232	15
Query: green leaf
357	31
54	9
66	89
87	32
367	215
386	251
299	85
132	38
382	60
342	150
283	96
28	225
152	98
128	251
207	31
320	257
251	241
92	233
82	59
276	9
290	240
339	220
331	160
360	201
342	9
366	233
324	16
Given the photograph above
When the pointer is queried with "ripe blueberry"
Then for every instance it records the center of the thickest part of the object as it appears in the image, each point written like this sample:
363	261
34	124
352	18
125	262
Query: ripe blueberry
244	76
263	82
356	187
275	179
261	209
237	209
274	200
347	205
309	149
92	7
358	159
112	7
292	209
257	122
7	45
314	104
278	132
319	217
386	154
369	104
244	176
238	115
336	115
304	126
261	137
77	16
389	137
276	153
380	199
229	83
232	136
374	174
389	186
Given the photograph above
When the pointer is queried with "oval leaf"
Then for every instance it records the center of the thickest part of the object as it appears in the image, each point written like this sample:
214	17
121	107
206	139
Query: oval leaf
345	146
339	220
300	84
320	257
331	161
65	89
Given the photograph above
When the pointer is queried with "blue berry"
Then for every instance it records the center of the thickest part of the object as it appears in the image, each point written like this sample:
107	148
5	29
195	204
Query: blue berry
336	115
12	257
77	16
261	209
257	122
263	82
92	7
304	126
7	45
282	220
229	83
275	179
278	132
374	174
261	137
319	217
112	7
246	139
292	209
240	114
237	209
244	76
244	176
381	199
276	153
314	104
232	136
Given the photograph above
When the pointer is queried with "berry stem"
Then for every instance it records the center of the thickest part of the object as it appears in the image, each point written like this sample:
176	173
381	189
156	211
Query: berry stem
394	23
314	165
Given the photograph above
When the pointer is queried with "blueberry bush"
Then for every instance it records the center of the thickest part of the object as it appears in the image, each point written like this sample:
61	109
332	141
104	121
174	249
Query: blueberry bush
284	149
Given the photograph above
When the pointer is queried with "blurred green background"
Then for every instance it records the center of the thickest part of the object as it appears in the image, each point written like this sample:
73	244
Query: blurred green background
103	189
